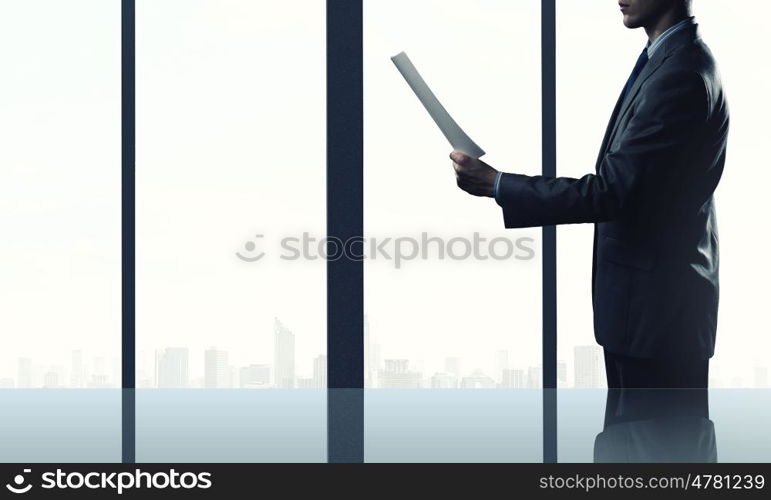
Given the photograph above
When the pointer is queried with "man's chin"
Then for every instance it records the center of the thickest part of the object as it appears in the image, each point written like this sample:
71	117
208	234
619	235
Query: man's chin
630	22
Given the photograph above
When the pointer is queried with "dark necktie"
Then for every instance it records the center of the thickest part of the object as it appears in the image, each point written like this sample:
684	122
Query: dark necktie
638	67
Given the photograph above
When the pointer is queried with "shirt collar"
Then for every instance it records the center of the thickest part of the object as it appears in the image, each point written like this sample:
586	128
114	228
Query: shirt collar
653	47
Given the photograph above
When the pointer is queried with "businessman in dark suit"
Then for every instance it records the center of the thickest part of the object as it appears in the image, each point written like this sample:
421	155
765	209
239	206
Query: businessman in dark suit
655	264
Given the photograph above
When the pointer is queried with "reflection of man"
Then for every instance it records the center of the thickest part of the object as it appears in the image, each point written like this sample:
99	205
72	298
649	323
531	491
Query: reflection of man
656	425
655	269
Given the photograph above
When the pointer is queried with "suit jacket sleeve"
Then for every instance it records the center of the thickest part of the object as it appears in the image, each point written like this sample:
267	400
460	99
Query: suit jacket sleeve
668	115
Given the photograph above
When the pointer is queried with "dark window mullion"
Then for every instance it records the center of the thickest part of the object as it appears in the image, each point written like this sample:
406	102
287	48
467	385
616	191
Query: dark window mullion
549	263
345	216
128	229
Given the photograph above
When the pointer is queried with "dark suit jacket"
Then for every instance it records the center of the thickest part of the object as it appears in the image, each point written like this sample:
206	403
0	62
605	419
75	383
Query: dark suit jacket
655	269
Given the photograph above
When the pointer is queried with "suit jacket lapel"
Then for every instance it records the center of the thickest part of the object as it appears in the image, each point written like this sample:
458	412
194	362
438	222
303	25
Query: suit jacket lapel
608	130
654	64
646	73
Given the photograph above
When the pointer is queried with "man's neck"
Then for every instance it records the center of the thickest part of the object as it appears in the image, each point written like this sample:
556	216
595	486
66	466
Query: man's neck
665	22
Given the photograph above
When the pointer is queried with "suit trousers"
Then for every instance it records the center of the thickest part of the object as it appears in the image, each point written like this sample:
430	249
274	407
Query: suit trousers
639	373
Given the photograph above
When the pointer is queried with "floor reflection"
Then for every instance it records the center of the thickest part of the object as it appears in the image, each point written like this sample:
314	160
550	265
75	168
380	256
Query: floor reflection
453	425
656	425
385	425
60	426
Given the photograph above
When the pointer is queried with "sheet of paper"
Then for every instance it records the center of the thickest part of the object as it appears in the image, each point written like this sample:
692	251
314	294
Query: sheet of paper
451	130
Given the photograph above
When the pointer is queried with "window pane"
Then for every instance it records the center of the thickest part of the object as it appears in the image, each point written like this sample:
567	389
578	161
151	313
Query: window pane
60	250
60	193
230	166
452	300
230	146
456	302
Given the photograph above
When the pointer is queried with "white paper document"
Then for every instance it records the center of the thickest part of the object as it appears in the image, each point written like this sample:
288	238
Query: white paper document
451	130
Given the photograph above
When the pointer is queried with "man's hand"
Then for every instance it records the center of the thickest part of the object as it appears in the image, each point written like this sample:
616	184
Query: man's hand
474	176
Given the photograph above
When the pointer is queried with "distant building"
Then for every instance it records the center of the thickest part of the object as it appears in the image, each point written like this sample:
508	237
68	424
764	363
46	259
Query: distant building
513	379
715	378
144	383
320	372
501	364
562	374
78	370
304	383
25	373
254	376
477	380
99	381
397	375
51	380
283	356
372	363
7	383
453	366
171	368
760	377
216	370
587	366
115	373
99	365
534	377
444	381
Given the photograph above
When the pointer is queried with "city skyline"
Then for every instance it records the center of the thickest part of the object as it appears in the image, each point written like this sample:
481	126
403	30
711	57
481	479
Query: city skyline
171	370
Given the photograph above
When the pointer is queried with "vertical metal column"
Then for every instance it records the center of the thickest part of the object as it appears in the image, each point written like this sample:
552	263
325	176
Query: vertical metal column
128	229
549	276
345	219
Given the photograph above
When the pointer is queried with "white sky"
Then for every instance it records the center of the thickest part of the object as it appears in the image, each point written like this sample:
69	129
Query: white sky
231	142
59	180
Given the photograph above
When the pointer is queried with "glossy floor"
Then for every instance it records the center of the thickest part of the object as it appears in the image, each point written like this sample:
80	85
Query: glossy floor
388	425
